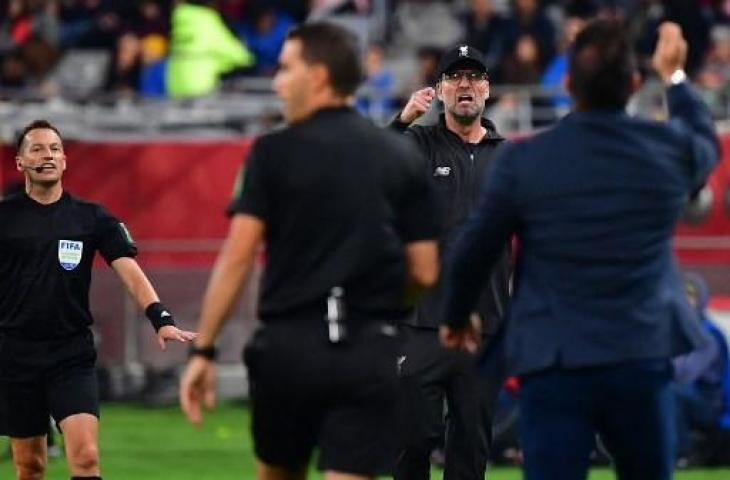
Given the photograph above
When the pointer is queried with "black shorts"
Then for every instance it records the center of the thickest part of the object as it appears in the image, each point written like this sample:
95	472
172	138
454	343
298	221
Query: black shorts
308	393
42	378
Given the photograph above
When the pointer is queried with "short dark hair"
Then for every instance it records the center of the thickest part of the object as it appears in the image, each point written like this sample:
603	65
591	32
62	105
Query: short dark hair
34	125
601	65
334	47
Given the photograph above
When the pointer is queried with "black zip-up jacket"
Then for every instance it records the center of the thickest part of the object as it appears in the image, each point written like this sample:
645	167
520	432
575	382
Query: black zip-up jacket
457	169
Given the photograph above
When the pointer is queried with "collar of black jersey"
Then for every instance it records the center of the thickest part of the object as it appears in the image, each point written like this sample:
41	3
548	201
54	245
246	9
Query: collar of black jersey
486	123
332	110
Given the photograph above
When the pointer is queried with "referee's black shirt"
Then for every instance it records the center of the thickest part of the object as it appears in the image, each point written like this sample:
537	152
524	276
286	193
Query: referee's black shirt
46	255
339	198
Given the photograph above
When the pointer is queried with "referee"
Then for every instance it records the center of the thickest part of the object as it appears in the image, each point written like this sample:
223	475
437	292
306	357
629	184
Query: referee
48	239
347	217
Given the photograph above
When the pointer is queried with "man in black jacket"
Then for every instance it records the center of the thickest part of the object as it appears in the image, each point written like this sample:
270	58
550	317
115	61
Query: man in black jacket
459	148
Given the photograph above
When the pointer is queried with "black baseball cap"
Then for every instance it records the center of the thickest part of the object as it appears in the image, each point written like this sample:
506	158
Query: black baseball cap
462	54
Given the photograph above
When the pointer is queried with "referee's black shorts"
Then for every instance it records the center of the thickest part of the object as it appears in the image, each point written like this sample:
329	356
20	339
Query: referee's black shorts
308	393
42	378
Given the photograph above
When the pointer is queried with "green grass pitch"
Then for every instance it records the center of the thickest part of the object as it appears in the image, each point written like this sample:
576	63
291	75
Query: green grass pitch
158	444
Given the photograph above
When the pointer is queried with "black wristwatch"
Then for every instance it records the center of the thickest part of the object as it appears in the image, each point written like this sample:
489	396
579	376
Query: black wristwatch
210	352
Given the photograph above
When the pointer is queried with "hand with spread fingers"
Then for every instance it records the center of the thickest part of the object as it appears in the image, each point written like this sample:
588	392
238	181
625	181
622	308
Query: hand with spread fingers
171	332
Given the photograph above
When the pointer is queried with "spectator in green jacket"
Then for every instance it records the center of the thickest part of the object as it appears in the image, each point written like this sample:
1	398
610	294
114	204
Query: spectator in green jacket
201	50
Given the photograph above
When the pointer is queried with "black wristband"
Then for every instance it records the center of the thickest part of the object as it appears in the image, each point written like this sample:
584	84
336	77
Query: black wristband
158	315
209	352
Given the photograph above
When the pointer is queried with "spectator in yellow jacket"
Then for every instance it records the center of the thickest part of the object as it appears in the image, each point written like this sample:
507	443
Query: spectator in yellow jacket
201	50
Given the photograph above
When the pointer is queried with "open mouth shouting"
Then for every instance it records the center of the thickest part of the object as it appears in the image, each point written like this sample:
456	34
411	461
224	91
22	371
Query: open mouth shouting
464	99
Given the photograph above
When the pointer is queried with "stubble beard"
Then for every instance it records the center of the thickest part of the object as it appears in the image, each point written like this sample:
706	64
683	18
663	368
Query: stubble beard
465	117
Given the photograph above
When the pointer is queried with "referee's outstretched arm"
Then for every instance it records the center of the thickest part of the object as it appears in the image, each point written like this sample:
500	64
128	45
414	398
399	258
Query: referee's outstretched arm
230	272
140	288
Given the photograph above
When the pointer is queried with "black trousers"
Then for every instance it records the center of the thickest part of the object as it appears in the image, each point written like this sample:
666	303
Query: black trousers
431	375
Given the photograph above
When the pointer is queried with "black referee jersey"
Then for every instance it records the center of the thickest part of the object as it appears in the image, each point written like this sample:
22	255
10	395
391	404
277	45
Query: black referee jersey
46	255
340	198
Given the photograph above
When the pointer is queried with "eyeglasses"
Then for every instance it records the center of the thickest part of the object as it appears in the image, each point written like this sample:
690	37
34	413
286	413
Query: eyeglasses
472	76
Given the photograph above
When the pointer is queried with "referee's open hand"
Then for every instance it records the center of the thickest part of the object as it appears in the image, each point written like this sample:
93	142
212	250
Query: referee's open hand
197	388
171	332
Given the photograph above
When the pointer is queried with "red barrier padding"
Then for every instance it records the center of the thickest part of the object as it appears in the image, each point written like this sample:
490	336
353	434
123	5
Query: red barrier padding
172	196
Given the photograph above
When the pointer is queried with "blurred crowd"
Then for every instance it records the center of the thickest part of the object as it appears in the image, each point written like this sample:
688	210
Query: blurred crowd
139	36
149	44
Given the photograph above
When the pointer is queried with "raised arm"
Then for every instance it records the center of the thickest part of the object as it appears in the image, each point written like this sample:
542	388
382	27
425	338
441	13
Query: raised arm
686	109
417	106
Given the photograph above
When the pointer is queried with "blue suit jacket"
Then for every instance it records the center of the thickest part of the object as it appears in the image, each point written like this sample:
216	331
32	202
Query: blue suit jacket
593	203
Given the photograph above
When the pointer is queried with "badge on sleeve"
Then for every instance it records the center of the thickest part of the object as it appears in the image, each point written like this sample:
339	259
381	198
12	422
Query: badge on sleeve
125	232
70	253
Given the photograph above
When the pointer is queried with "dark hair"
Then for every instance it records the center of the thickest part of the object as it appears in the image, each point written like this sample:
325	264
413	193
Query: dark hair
334	47
602	65
34	125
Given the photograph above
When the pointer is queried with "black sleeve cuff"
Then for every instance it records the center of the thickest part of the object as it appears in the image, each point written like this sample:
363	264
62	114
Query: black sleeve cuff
397	125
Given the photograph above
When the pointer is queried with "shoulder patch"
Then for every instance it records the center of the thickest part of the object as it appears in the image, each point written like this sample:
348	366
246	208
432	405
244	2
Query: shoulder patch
125	233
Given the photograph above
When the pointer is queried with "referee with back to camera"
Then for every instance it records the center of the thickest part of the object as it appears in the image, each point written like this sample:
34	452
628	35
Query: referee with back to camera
48	239
346	215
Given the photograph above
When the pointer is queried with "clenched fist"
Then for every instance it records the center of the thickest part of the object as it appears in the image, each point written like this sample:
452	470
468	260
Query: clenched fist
418	104
670	54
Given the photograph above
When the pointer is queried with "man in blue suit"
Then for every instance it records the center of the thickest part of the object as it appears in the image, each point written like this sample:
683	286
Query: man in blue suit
598	307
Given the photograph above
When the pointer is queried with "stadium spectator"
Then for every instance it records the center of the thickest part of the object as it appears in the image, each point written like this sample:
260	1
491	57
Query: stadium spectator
428	60
522	68
484	29
13	73
375	98
701	379
202	49
125	70
154	67
93	23
39	59
27	19
578	13
522	65
347	217
528	18
151	19
264	33
598	308
713	77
